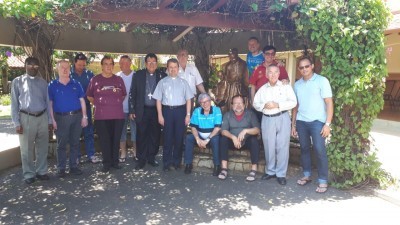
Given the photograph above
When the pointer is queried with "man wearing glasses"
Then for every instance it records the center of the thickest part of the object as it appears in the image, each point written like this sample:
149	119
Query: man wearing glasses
142	109
311	120
83	76
205	124
31	117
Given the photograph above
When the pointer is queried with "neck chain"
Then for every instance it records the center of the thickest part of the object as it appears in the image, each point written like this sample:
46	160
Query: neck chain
149	89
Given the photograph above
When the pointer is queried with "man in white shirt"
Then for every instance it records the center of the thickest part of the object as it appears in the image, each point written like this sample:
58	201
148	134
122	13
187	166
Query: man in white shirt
189	72
274	100
126	74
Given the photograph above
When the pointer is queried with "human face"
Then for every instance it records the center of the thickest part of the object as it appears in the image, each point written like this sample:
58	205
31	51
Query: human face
173	69
206	104
125	65
233	57
269	56
107	66
306	68
32	68
151	65
254	46
238	105
63	69
80	65
273	75
183	57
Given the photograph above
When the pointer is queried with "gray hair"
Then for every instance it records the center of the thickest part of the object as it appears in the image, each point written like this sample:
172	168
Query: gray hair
203	96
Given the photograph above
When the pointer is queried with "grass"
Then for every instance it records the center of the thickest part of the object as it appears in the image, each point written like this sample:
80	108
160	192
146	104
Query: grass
5	112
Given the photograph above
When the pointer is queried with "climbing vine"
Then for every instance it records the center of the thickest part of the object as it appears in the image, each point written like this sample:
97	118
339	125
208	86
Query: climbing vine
348	38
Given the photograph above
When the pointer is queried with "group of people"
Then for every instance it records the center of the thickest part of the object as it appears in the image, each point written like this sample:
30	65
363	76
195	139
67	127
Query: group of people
256	99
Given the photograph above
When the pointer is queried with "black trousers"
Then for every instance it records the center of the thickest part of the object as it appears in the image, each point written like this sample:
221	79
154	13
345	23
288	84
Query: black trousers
148	135
251	143
109	132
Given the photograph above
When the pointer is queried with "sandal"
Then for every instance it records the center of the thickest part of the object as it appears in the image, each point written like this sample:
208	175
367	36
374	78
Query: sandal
122	159
303	181
252	176
223	174
322	188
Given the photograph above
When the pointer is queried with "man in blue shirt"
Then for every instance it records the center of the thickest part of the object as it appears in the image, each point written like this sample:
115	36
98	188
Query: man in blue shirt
205	124
311	120
68	113
255	56
83	76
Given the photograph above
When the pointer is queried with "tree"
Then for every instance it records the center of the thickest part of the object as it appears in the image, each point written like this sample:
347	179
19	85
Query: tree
348	35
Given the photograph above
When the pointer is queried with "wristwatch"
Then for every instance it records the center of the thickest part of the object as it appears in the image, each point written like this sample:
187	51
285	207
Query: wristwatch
208	139
328	124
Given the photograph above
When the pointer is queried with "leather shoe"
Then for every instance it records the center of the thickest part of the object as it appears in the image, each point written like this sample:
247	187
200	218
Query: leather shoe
216	171
188	168
167	168
30	180
43	177
105	169
118	167
267	177
140	165
75	171
61	173
153	163
281	180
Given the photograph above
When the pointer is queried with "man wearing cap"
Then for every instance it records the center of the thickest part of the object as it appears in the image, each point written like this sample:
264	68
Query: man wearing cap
29	104
83	76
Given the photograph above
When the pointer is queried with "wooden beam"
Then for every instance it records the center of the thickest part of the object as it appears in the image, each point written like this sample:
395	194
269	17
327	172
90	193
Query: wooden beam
172	17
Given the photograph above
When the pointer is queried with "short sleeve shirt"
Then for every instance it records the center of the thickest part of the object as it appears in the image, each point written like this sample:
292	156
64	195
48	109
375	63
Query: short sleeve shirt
259	77
205	124
192	75
173	91
127	78
253	61
310	97
65	98
231	124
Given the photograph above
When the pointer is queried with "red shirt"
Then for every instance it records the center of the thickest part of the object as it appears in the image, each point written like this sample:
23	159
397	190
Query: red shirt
259	76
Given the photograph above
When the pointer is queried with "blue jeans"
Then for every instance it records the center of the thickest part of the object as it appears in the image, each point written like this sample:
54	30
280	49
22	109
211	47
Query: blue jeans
214	143
308	131
132	125
88	135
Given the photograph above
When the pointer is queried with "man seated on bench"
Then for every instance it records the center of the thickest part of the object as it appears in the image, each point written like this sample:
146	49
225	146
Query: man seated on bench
206	124
240	128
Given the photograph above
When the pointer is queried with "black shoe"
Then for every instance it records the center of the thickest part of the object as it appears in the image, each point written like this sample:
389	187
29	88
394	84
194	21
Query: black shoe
154	163
216	171
140	165
281	180
118	167
177	166
61	173
188	168
43	177
105	169
30	180
167	168
267	177
75	171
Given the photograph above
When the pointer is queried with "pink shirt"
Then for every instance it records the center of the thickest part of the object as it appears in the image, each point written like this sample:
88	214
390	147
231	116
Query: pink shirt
108	94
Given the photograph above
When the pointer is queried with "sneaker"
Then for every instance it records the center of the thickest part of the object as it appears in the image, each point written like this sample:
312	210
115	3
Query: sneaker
75	171
61	173
94	159
188	168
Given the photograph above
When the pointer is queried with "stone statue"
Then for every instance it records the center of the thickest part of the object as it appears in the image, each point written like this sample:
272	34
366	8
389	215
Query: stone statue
219	91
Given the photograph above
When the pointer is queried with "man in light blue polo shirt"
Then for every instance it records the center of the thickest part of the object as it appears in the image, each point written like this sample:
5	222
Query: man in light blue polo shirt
311	120
205	124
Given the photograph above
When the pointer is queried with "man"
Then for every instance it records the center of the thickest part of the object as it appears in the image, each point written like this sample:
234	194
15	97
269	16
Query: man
189	72
205	124
29	103
235	73
311	121
240	128
83	76
126	74
254	56
274	100
259	76
173	97
142	108
68	113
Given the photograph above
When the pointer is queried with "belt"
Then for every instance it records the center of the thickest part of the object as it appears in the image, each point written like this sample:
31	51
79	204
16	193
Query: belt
68	113
276	114
33	114
150	106
174	106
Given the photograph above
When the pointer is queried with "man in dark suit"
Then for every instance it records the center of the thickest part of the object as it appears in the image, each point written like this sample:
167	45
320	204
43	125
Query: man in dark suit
142	108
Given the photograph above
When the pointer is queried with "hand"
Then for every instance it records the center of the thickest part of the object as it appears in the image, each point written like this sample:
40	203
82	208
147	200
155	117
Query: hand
132	116
326	130
19	129
280	64
242	135
201	143
236	142
54	125
51	127
294	132
161	120
271	105
187	120
285	81
84	122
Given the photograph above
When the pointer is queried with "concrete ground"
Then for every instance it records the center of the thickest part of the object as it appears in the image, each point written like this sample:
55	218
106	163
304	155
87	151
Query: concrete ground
152	196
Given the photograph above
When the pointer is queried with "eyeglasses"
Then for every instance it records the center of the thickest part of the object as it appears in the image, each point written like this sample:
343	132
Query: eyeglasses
237	103
302	67
204	102
269	53
152	63
32	66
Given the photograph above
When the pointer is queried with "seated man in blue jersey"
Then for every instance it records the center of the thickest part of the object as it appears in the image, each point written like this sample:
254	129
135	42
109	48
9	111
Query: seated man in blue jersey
205	123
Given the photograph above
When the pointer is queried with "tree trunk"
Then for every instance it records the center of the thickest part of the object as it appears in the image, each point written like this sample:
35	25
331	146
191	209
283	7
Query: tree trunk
4	80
